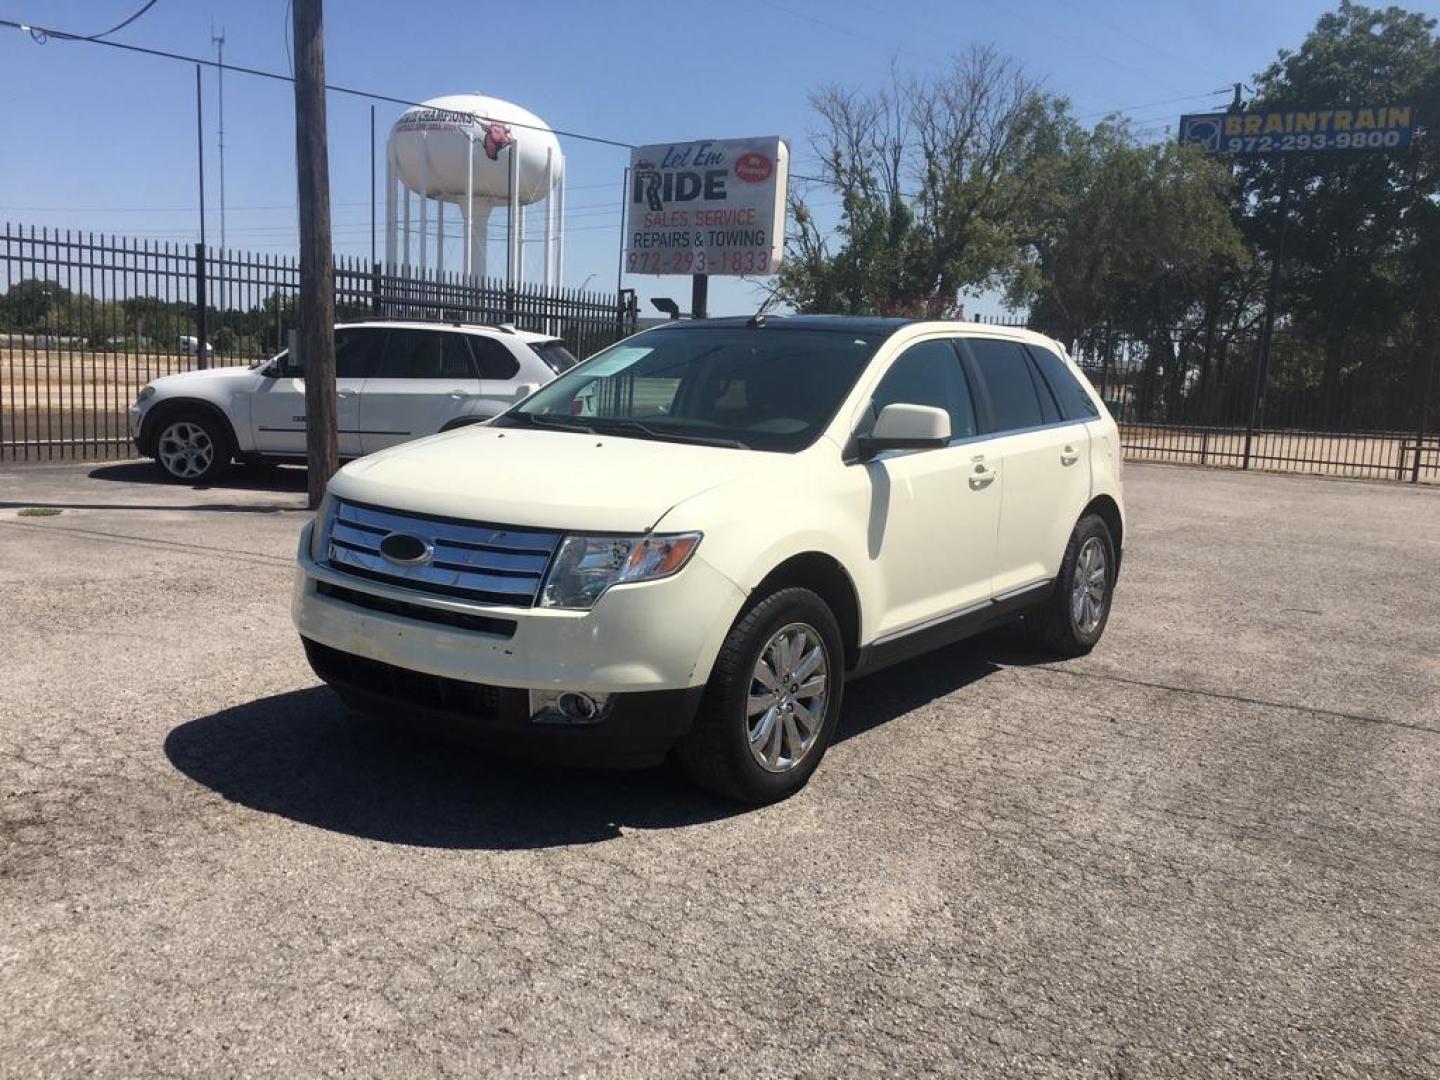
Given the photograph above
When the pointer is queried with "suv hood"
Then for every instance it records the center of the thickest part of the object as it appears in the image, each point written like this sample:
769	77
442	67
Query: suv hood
182	379
545	479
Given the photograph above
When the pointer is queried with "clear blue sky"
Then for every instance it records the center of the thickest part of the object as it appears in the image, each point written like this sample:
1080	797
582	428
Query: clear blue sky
98	139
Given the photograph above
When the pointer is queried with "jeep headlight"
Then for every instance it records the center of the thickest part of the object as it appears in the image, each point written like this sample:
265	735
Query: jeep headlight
146	393
585	566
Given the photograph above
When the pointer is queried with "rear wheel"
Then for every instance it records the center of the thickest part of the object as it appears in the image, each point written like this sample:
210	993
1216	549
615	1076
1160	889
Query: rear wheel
772	703
192	447
1072	620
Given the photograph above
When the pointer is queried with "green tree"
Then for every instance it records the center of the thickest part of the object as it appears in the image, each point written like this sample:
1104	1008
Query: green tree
935	178
1361	250
35	304
1129	238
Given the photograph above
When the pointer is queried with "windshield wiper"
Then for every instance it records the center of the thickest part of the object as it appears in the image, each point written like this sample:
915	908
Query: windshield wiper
667	434
567	423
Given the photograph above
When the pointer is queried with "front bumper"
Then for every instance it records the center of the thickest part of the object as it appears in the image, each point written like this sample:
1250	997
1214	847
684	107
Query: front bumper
652	644
637	730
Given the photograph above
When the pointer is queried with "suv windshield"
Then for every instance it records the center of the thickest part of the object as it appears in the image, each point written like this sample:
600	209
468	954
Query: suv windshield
762	389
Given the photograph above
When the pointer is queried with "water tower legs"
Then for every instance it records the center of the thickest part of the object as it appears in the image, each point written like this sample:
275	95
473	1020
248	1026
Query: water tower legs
560	230
424	200
478	227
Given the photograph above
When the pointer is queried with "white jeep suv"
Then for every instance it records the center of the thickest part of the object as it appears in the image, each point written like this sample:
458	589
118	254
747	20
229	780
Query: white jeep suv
394	381
691	541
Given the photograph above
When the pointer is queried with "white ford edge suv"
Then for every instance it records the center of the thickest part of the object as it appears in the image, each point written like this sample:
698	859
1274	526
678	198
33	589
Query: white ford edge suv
690	542
394	381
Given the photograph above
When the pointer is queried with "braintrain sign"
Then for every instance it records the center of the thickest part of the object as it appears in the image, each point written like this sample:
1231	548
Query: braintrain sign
1296	131
711	207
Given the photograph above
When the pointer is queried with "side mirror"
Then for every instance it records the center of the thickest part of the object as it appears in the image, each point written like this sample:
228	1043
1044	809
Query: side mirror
905	427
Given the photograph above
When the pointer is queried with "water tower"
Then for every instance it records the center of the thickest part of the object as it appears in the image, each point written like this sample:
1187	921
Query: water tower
478	153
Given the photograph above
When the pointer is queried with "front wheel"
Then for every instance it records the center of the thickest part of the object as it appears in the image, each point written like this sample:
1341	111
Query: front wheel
1071	621
772	703
192	448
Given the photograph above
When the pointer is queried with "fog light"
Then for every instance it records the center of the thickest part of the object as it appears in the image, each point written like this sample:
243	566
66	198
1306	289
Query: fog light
568	707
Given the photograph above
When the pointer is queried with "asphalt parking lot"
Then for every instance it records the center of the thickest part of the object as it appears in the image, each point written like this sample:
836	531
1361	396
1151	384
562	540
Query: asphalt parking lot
1211	848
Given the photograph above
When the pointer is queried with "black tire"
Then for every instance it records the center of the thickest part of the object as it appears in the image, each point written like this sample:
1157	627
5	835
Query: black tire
205	439
1054	626
716	754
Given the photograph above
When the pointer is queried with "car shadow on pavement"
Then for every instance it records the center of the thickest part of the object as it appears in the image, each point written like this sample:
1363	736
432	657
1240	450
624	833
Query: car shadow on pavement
305	756
902	689
275	478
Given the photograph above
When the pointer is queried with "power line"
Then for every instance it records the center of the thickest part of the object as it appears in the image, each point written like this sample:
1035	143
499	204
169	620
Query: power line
63	35
1148	105
121	25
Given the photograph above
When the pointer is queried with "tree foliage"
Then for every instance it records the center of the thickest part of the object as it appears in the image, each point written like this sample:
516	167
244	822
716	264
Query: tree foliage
978	180
935	179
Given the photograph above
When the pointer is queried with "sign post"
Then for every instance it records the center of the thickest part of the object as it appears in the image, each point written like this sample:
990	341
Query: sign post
714	206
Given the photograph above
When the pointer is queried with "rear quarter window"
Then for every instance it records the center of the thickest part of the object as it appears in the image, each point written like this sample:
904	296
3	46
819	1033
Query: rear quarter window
557	357
492	358
1075	403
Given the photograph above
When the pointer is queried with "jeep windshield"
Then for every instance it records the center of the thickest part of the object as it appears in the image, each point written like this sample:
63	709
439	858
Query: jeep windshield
764	388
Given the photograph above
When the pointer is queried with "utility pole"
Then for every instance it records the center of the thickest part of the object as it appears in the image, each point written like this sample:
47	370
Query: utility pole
202	302
699	296
317	267
1267	328
219	42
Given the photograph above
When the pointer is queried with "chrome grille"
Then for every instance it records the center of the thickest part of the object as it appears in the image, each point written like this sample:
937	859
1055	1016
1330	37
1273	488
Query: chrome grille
487	563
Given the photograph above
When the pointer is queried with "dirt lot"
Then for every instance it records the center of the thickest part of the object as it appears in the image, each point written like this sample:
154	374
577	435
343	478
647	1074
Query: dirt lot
1208	849
63	404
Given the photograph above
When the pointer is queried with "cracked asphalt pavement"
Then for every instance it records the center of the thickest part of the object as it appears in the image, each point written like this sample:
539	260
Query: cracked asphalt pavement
1211	848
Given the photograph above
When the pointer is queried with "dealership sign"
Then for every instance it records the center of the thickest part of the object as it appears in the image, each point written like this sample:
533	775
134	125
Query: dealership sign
1294	131
716	206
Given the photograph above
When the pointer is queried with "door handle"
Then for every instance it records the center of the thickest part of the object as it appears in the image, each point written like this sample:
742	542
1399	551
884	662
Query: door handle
981	477
1068	456
459	395
346	391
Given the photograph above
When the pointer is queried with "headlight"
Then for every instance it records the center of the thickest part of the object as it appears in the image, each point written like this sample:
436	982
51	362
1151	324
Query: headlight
320	534
585	566
146	393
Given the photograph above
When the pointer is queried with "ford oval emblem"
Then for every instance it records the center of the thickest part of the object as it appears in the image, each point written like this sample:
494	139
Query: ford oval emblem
405	548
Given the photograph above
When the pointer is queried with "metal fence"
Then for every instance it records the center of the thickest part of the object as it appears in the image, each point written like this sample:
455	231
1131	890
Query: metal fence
1365	411
87	319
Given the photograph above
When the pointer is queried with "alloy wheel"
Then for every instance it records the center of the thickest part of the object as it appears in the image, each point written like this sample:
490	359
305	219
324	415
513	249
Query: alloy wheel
1088	593
789	690
185	450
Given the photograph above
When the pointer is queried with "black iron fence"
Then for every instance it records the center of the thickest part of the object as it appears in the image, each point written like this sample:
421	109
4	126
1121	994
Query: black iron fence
86	320
1359	410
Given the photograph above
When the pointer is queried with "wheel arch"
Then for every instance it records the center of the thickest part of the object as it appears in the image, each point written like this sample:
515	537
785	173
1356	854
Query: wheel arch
163	410
823	575
1108	511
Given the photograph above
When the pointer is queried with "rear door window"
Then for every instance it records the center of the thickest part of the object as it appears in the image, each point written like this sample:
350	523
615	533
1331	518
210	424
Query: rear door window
1005	371
456	362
